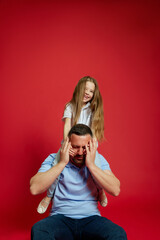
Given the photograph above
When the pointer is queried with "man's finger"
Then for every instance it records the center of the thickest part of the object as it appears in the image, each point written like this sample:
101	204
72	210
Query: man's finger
72	150
72	153
91	145
68	146
87	148
94	141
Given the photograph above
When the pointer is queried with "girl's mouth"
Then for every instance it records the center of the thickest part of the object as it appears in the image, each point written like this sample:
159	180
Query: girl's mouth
86	97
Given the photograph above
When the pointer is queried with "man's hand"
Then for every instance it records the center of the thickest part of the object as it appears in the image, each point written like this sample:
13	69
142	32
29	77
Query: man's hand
64	152
91	152
72	152
41	181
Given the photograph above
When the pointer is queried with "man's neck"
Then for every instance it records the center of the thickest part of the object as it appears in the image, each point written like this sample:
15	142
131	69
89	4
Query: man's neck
76	164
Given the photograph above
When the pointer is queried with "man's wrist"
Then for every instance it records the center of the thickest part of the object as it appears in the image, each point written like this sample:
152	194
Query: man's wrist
62	164
91	166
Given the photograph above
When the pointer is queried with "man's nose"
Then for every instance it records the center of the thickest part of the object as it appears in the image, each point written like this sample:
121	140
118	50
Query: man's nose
80	151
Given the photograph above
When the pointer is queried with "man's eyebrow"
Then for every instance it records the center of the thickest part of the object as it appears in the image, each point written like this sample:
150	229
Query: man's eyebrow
78	146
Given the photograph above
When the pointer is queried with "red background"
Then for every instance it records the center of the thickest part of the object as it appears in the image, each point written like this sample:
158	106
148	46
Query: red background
46	47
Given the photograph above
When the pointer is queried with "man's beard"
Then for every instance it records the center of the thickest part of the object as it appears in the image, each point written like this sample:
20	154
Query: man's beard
78	160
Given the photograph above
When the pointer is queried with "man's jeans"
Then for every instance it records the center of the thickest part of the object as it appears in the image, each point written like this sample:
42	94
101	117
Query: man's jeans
59	227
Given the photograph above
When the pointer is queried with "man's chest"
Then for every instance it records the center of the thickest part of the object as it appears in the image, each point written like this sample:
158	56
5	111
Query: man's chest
75	183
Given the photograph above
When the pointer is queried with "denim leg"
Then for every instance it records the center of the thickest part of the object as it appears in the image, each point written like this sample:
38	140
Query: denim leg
52	228
100	228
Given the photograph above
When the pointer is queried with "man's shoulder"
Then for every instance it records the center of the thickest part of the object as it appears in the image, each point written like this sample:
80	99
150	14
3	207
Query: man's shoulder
101	162
47	163
50	158
52	155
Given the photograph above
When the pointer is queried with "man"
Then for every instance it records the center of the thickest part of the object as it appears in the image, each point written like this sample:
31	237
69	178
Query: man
74	214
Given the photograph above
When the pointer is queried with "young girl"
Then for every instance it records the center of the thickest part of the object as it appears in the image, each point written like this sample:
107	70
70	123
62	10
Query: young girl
85	107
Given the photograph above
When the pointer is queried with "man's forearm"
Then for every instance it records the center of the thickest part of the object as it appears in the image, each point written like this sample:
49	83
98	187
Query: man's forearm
40	182
106	180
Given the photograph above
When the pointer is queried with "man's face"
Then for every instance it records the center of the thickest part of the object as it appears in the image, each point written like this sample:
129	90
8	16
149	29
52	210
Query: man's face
78	144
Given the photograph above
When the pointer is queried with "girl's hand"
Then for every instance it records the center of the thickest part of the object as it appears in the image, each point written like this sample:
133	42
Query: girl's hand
91	152
64	152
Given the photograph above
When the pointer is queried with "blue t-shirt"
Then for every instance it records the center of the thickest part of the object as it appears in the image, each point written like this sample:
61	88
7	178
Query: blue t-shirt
76	192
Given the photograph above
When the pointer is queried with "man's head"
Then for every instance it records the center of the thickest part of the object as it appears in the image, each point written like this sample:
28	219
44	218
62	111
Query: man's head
79	136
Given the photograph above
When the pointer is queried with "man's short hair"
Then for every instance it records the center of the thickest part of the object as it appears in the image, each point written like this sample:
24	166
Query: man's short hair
80	130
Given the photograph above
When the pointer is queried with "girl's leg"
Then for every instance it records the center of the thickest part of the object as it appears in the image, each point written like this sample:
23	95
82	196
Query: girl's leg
43	205
102	198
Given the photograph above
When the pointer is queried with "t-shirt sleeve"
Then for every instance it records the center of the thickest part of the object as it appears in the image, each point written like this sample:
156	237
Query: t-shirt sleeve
67	112
48	163
104	163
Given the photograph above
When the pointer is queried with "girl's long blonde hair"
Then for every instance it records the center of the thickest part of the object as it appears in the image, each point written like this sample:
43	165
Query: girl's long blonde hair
96	106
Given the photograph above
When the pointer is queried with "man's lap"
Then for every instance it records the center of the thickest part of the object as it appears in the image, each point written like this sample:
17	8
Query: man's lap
61	227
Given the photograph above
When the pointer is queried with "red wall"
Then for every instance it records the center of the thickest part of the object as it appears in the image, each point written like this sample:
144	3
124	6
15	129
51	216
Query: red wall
46	47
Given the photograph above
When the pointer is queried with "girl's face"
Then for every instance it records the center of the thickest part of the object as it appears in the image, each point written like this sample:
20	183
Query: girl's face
88	92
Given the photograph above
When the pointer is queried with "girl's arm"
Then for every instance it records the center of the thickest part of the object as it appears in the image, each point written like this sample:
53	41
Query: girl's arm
67	127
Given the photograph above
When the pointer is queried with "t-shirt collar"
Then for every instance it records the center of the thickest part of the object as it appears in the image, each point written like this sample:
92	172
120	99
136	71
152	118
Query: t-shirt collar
71	165
87	105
